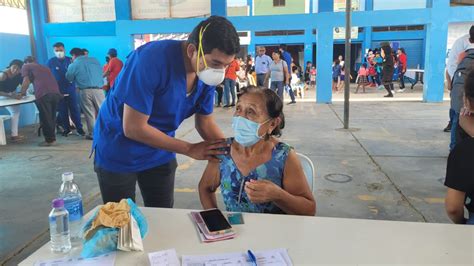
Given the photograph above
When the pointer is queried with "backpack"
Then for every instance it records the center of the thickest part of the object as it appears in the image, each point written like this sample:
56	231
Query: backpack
457	80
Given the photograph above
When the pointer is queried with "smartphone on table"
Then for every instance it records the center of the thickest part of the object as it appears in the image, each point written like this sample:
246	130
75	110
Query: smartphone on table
215	221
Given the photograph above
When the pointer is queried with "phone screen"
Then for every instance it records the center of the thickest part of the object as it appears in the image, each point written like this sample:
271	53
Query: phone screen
215	220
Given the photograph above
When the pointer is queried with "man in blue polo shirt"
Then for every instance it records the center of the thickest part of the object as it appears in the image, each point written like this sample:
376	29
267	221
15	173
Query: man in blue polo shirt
161	84
287	57
69	105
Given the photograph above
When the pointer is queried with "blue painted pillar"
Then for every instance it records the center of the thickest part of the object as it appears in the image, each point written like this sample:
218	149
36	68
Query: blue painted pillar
311	3
124	40
219	7
251	48
38	11
367	43
250	4
369	5
324	54
308	45
325	6
436	45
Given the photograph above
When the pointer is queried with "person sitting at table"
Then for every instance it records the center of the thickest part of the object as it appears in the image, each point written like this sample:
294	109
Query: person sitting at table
10	79
259	173
460	170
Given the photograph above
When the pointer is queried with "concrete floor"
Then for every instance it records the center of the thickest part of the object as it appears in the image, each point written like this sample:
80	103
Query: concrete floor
390	166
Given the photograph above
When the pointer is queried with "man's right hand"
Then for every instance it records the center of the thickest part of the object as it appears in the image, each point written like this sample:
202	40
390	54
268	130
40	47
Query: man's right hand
207	150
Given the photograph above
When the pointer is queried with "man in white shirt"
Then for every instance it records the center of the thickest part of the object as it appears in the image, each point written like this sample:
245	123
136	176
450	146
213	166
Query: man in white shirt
262	66
459	46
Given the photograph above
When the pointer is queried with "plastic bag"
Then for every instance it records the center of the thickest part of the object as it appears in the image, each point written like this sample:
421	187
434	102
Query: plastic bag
104	240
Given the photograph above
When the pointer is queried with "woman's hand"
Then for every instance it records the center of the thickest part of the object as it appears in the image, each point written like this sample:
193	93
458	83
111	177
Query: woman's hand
465	112
262	191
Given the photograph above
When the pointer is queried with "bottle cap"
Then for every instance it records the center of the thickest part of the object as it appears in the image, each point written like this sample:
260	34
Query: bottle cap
58	203
68	176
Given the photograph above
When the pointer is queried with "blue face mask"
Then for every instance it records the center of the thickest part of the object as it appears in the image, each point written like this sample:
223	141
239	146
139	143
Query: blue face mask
246	131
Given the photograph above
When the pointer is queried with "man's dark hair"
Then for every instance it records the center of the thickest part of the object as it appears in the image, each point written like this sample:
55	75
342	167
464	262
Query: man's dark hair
76	52
273	104
309	62
471	34
283	47
85	50
219	34
29	59
58	44
16	62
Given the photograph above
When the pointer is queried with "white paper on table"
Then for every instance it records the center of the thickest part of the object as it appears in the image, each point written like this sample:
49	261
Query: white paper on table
105	260
276	257
164	258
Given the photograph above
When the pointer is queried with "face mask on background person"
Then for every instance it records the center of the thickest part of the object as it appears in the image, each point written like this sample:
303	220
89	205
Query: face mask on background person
210	76
59	54
246	131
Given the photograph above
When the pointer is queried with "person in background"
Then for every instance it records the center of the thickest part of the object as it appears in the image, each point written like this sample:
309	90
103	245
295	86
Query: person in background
106	86
249	67
341	61
460	45
362	78
278	74
460	169
286	56
69	105
371	66
47	96
113	67
85	51
313	78
220	93
259	173
402	67
307	73
262	66
336	75
229	83
86	72
378	60
10	79
387	68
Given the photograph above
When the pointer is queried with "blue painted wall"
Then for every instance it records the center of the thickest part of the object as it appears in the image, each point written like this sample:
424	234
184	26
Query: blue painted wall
99	36
15	46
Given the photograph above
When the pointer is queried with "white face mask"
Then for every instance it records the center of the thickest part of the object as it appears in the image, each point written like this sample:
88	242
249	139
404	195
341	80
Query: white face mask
210	76
59	54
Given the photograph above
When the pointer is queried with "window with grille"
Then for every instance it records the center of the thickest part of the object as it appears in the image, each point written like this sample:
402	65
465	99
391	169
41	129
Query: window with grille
278	2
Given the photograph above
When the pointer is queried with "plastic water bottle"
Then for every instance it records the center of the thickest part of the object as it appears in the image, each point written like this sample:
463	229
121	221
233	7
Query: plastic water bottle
72	197
59	227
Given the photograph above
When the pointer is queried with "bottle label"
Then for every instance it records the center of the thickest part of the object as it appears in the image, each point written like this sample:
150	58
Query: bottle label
74	207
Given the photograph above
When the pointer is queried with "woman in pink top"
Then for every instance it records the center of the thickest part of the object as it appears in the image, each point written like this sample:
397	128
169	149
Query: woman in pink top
362	77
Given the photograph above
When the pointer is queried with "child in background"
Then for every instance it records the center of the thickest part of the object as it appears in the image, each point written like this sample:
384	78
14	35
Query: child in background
362	78
313	78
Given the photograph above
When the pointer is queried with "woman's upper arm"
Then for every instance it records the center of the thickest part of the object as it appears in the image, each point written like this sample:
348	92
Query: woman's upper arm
454	199
294	179
211	178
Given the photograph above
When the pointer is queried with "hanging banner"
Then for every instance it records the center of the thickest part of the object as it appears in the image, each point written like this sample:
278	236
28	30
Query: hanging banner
340	33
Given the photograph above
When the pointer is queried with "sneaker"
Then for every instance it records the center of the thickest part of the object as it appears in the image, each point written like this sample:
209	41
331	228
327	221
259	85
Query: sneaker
80	132
292	102
17	138
401	90
227	106
393	92
232	105
47	144
388	96
66	133
447	128
89	137
381	87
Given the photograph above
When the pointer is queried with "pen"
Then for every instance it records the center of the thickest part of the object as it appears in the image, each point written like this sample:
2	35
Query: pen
252	257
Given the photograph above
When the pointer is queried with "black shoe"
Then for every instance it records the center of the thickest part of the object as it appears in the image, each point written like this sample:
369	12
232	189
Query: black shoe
388	96
227	106
89	137
447	128
292	102
80	132
66	133
232	105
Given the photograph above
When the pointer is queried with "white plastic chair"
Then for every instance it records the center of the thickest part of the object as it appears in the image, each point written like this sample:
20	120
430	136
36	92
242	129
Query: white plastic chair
308	169
3	137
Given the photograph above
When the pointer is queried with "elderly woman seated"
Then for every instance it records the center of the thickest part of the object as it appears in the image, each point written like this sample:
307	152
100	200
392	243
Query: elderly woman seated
259	173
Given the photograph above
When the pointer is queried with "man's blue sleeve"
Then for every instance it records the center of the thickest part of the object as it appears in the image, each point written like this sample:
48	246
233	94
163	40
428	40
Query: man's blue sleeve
206	104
